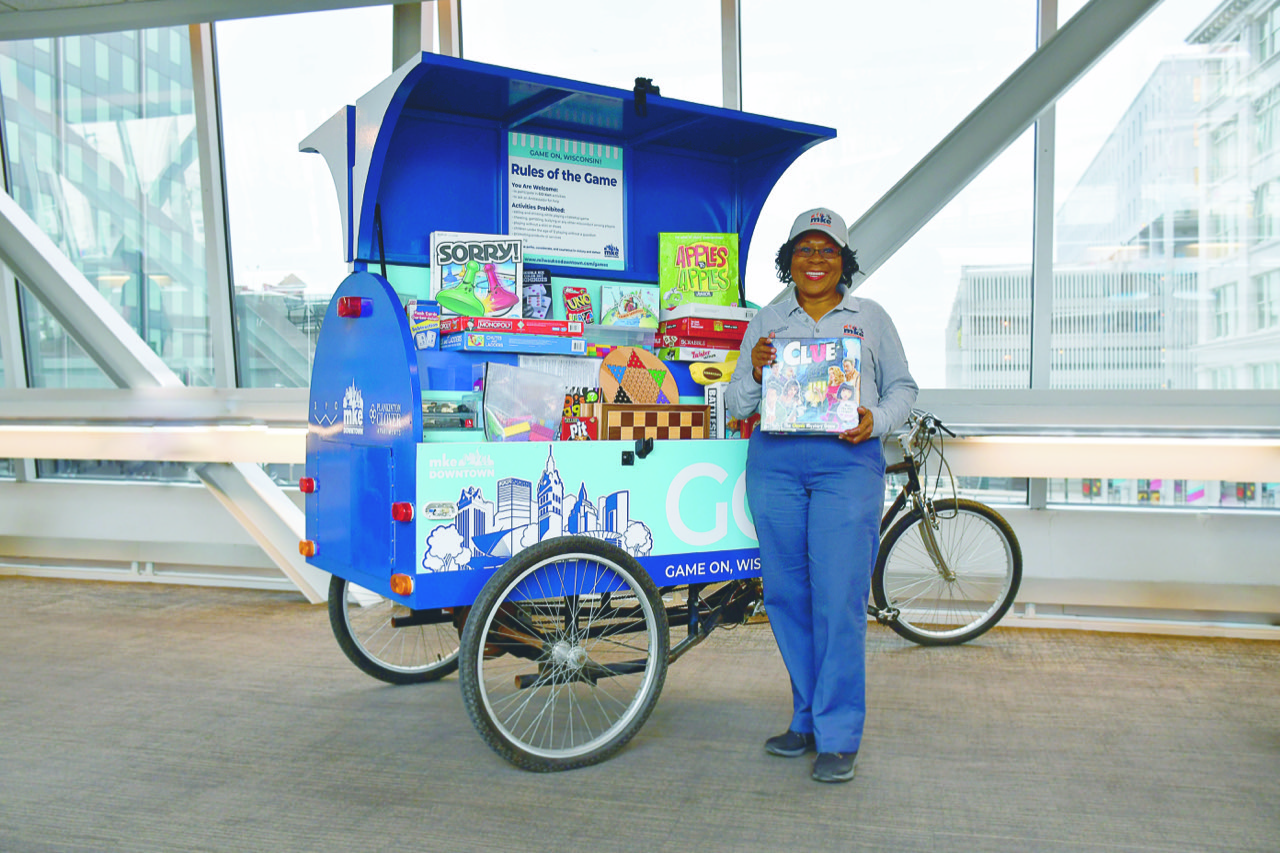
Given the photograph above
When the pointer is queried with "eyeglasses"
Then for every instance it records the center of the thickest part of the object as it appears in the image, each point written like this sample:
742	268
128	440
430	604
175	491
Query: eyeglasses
827	253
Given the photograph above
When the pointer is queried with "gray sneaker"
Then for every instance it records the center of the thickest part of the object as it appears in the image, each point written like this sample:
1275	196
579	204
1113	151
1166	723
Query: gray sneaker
790	744
834	766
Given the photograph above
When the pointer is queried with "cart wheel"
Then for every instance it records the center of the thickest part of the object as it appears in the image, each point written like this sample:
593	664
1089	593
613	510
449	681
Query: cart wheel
564	654
361	621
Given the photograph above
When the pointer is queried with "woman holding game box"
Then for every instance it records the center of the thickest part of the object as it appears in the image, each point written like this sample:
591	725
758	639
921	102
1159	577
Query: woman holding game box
817	499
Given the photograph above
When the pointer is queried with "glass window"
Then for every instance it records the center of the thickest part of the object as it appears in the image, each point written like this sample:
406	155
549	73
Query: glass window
107	165
1268	32
1267	300
1223	151
1266	211
890	107
280	78
674	43
1265	375
1163	177
1224	299
1165	493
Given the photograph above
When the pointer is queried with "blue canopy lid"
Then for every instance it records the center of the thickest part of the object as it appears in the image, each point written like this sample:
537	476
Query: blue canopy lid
428	147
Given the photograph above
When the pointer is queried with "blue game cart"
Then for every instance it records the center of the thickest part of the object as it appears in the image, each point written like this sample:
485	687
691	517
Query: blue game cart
547	573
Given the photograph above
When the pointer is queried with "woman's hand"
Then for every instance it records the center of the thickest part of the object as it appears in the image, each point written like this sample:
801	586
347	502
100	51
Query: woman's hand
762	354
862	431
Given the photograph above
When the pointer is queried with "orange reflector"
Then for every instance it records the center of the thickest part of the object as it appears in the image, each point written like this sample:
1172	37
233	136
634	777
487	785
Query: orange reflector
354	306
307	548
307	485
402	584
402	511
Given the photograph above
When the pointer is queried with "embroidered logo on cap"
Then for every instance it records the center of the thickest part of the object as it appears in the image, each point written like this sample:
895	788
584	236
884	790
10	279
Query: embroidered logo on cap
819	218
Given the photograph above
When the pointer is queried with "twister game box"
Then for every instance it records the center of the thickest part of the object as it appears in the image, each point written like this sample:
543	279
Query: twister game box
814	385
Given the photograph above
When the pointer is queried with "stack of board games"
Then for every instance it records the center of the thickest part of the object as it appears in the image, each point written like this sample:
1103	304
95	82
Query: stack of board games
702	332
697	269
512	334
813	386
477	275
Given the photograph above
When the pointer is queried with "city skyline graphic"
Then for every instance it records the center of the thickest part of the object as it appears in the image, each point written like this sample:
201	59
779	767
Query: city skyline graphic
528	511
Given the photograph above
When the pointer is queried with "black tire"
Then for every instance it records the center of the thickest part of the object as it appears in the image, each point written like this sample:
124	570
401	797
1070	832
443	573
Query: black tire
984	556
365	634
564	654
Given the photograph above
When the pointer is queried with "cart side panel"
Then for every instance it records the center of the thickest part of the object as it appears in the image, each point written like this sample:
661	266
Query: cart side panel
364	426
681	510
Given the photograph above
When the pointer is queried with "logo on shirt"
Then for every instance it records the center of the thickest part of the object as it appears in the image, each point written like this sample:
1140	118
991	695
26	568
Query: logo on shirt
853	330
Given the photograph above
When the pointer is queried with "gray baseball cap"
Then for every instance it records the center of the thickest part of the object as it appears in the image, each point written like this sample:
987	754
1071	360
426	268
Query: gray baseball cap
823	220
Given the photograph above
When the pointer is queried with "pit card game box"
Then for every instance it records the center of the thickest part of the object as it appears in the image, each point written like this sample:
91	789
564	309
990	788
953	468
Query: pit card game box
697	269
813	386
477	275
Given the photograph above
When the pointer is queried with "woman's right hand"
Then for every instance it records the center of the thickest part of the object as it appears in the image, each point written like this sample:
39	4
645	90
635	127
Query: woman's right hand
763	353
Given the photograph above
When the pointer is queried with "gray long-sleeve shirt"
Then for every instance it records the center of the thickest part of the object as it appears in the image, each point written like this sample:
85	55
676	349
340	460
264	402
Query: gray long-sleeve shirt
894	392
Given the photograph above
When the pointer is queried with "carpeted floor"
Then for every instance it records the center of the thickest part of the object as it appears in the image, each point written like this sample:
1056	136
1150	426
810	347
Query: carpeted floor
154	718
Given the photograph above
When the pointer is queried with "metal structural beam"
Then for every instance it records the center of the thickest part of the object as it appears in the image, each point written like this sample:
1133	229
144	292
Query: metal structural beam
731	53
991	127
269	516
450	14
217	254
245	489
84	312
77	17
412	31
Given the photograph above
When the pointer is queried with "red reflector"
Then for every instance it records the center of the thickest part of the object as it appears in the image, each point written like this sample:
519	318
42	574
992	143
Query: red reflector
307	548
354	306
402	511
402	584
307	485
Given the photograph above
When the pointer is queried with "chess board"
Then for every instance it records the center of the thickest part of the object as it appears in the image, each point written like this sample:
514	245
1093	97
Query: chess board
633	376
626	423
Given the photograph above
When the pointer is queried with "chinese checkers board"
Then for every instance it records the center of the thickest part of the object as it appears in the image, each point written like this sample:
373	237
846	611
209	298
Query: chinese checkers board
627	423
630	375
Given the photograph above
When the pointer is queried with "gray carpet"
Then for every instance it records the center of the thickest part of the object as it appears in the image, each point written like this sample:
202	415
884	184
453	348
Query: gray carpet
153	718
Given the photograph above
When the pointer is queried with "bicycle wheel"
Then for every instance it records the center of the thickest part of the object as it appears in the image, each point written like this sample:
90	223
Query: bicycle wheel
564	654
982	553
361	621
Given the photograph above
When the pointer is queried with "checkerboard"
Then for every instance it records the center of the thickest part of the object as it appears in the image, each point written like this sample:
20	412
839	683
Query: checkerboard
626	423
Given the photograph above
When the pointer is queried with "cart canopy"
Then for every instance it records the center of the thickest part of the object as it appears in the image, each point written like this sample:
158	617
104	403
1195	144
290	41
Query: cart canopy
426	150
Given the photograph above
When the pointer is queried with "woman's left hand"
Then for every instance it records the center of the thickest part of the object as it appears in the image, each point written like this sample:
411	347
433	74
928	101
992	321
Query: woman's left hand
862	431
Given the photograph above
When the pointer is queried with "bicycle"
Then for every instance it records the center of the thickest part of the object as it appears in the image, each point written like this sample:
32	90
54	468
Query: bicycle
958	575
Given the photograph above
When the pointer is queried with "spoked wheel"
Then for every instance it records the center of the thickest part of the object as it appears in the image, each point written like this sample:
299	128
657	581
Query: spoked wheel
948	605
361	621
564	654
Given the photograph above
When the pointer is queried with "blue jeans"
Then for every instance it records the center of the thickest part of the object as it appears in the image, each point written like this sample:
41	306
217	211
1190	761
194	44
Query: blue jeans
816	502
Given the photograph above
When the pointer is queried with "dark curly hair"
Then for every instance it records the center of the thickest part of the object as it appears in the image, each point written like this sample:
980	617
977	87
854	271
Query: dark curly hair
848	256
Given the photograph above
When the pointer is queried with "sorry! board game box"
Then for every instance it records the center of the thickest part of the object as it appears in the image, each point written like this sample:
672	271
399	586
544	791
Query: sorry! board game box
477	275
813	386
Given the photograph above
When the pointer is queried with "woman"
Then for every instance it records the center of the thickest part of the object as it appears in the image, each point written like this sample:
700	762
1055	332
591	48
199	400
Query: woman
817	499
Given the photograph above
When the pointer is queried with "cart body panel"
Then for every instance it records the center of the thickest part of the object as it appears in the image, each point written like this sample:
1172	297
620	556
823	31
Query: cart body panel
680	509
363	428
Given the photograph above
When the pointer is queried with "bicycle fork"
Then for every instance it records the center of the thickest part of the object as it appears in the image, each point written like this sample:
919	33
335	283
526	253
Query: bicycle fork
928	528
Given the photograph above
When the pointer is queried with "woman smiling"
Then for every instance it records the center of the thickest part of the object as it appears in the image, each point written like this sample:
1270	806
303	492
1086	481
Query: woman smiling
816	500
